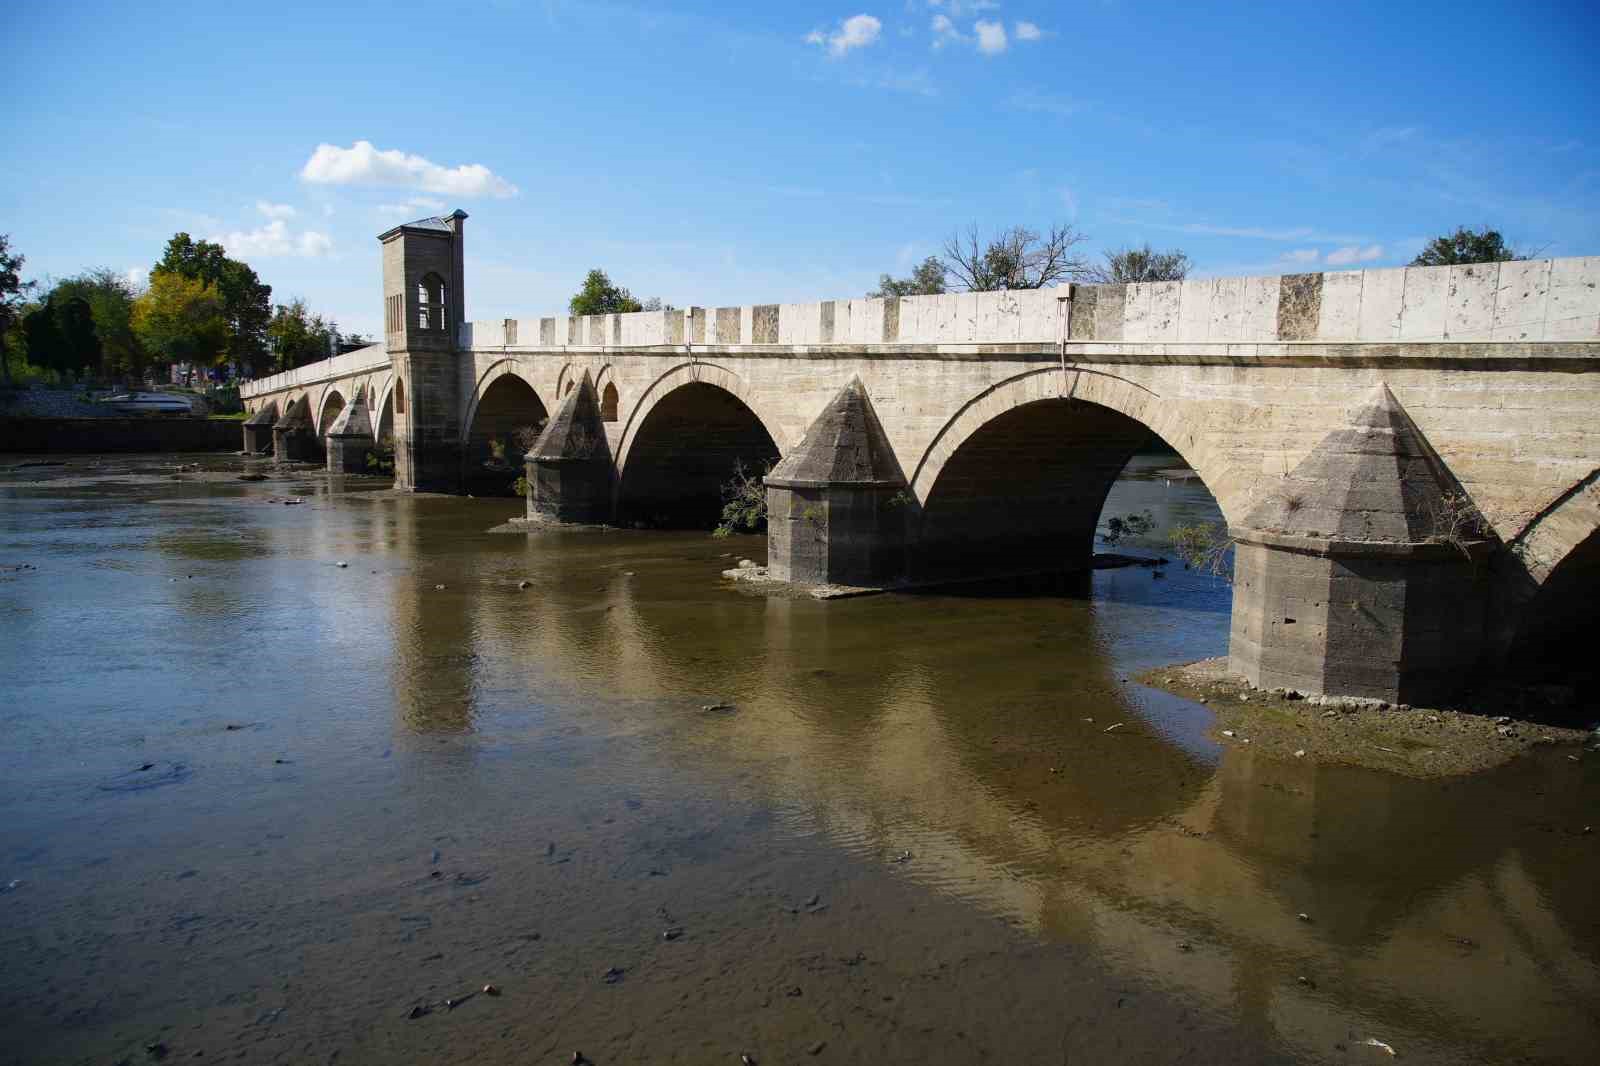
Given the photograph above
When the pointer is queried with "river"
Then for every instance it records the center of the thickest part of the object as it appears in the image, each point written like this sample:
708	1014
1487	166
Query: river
276	778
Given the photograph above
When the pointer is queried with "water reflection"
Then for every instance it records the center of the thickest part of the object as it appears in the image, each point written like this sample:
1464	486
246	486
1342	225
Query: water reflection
997	739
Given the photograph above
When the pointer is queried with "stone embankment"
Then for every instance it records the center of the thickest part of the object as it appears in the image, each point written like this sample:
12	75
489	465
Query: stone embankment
125	434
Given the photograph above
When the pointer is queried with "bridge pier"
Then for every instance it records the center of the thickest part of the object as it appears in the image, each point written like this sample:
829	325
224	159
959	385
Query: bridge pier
569	466
836	509
293	438
350	438
1357	575
258	430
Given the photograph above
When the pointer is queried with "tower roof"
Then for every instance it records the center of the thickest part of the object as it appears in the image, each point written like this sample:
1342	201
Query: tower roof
845	445
1374	481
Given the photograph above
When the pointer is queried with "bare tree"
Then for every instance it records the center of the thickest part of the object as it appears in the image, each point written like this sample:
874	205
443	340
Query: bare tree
1015	258
1129	265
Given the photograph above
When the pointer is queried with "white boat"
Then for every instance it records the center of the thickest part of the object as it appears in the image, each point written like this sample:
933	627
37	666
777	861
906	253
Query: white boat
149	403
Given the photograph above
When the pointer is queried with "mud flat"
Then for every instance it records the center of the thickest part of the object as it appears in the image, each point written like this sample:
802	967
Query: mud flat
1415	741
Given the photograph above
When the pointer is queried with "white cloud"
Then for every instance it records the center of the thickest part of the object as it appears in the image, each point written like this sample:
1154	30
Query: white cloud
272	210
1028	31
991	37
857	31
363	164
1354	254
944	31
137	276
1302	255
274	239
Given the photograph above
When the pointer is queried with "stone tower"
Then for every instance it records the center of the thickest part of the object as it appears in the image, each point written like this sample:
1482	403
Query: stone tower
423	308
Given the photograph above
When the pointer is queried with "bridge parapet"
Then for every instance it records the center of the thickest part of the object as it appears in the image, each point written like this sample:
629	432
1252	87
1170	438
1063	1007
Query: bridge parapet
1532	301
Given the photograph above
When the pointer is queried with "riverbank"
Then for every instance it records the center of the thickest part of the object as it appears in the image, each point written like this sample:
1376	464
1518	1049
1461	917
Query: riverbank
82	435
1414	741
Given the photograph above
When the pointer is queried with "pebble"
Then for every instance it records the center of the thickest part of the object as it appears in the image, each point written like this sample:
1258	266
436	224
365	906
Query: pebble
490	990
1308	982
1227	732
816	1049
1300	753
342	566
522	584
438	588
1304	917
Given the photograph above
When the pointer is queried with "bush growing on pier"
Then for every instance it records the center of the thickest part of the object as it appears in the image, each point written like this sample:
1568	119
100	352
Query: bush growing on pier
744	502
1127	527
1204	547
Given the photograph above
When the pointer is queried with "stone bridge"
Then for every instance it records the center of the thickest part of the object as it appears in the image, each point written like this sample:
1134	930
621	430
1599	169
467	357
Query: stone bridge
1406	458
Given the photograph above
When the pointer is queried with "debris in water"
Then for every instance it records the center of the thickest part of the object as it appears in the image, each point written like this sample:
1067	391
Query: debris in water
1303	916
438	588
1109	728
522	584
1300	753
1308	982
613	975
146	766
416	1012
816	1048
342	565
905	856
717	708
1373	1041
671	934
491	990
1185	946
12	885
747	1060
291	503
794	992
814	900
1227	732
157	1050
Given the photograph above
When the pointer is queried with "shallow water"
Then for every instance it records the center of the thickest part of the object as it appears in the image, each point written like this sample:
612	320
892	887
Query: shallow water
906	836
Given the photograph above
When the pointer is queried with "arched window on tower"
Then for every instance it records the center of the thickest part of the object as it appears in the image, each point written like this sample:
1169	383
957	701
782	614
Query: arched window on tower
431	312
608	403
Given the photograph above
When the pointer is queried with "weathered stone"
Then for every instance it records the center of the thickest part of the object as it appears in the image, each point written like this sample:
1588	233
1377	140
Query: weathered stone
834	509
569	466
1354	574
350	438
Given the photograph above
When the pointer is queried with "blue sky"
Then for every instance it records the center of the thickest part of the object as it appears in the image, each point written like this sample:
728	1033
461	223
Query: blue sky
788	152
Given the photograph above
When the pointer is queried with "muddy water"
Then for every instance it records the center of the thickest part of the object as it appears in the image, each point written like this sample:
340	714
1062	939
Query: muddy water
902	834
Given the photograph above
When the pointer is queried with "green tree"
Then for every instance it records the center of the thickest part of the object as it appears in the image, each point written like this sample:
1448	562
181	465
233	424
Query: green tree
1466	246
926	280
247	303
13	298
1015	258
182	320
42	334
1129	265
110	297
600	297
298	336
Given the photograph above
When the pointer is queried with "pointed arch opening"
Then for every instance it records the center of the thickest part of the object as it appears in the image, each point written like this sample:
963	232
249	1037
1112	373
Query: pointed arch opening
690	445
608	403
1057	485
1554	645
332	406
431	306
506	422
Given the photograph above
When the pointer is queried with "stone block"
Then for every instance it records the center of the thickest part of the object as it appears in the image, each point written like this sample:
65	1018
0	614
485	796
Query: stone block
1574	304
1424	305
1194	310
1469	308
1339	309
1521	301
1299	307
1382	304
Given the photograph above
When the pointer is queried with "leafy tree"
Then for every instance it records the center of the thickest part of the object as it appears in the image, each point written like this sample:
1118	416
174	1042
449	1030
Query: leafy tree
600	297
42	333
1466	246
1015	258
110	297
1130	265
13	296
926	280
247	303
182	319
298	336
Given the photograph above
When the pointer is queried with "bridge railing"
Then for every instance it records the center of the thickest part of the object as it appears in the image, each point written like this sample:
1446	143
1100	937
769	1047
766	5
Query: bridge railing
372	357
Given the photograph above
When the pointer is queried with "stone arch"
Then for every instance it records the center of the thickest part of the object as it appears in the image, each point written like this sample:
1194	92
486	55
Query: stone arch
432	304
328	408
1548	572
564	379
1164	417
1018	479
608	402
503	402
682	442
